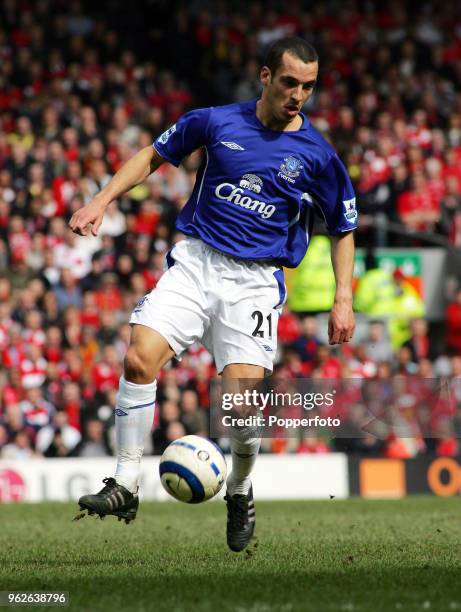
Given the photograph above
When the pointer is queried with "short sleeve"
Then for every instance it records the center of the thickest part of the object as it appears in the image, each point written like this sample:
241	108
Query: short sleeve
334	197
189	133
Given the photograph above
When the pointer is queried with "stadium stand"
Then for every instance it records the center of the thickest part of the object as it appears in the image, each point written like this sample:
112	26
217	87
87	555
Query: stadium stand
79	95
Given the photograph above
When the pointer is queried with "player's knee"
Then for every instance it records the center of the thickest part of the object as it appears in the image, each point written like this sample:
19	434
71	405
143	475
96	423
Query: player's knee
139	368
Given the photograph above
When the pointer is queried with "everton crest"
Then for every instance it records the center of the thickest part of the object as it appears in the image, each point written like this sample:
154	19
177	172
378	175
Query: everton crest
290	168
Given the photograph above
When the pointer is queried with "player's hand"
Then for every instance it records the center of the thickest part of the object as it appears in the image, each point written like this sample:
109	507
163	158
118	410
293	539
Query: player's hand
88	217
341	324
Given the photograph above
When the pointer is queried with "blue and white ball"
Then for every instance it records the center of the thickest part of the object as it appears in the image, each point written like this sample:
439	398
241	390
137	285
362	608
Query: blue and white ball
193	469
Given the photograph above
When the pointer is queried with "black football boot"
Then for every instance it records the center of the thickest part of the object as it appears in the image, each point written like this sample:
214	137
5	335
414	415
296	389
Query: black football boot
111	499
241	520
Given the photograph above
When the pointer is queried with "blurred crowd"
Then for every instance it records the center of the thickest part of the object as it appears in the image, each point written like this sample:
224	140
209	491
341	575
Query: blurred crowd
79	95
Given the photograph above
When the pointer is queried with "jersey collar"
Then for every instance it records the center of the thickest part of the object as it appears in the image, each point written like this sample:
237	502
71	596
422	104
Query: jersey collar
304	125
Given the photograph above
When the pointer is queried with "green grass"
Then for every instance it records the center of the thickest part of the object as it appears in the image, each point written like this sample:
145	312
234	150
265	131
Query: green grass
309	556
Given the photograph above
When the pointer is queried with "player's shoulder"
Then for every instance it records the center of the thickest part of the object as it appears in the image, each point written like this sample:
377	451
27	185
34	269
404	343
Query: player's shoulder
227	117
236	110
323	148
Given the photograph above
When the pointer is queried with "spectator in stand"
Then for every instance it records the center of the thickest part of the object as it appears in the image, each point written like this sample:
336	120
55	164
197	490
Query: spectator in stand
174	431
325	364
404	363
450	222
418	343
108	328
33	331
59	438
453	322
20	448
378	347
311	444
169	413
418	209
92	280
68	292
73	254
32	367
447	444
361	365
114	223
4	437
192	417
71	404
107	370
108	295
36	411
307	343
94	442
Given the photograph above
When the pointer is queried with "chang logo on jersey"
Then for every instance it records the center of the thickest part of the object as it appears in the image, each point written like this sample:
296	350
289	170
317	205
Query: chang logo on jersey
290	168
351	211
231	193
165	136
251	182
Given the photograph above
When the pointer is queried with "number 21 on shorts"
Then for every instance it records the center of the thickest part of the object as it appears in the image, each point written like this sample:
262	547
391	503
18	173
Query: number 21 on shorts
263	324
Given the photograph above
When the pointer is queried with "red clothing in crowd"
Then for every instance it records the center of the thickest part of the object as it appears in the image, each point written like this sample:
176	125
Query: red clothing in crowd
63	191
35	336
410	202
72	410
36	414
14	354
330	368
288	327
89	317
109	298
146	222
19	244
312	447
33	373
105	377
447	448
453	322
12	395
420	346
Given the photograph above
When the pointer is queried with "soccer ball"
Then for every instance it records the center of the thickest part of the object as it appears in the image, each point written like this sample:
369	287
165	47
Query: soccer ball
192	469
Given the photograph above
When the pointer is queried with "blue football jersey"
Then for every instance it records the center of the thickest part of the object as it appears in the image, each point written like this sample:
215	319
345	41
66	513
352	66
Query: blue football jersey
257	188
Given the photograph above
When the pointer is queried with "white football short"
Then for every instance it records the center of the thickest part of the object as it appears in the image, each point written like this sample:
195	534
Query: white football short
231	306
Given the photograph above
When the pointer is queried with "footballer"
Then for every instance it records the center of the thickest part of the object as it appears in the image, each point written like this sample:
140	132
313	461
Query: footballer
266	172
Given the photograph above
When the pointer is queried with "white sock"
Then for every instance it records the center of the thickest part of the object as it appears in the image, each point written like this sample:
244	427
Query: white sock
134	415
244	454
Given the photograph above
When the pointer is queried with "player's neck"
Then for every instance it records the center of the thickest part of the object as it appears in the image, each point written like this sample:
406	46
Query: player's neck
267	118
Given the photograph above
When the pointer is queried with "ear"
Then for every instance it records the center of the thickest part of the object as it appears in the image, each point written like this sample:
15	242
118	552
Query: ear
265	76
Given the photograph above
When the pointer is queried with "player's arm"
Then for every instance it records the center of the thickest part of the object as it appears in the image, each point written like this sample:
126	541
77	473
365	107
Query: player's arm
334	195
341	324
133	172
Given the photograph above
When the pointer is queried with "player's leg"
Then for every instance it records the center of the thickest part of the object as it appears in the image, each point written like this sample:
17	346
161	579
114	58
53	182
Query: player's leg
244	332
245	445
134	414
165	323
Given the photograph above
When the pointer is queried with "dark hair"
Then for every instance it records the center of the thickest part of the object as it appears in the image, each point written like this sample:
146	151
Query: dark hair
295	46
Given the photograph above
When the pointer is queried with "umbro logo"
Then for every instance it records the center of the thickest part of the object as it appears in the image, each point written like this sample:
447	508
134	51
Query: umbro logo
232	145
119	412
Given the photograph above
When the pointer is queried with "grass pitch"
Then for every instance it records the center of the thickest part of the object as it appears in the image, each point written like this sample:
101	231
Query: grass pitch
352	555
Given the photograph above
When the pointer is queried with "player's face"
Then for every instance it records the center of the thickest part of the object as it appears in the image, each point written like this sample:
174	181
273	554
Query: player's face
287	90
